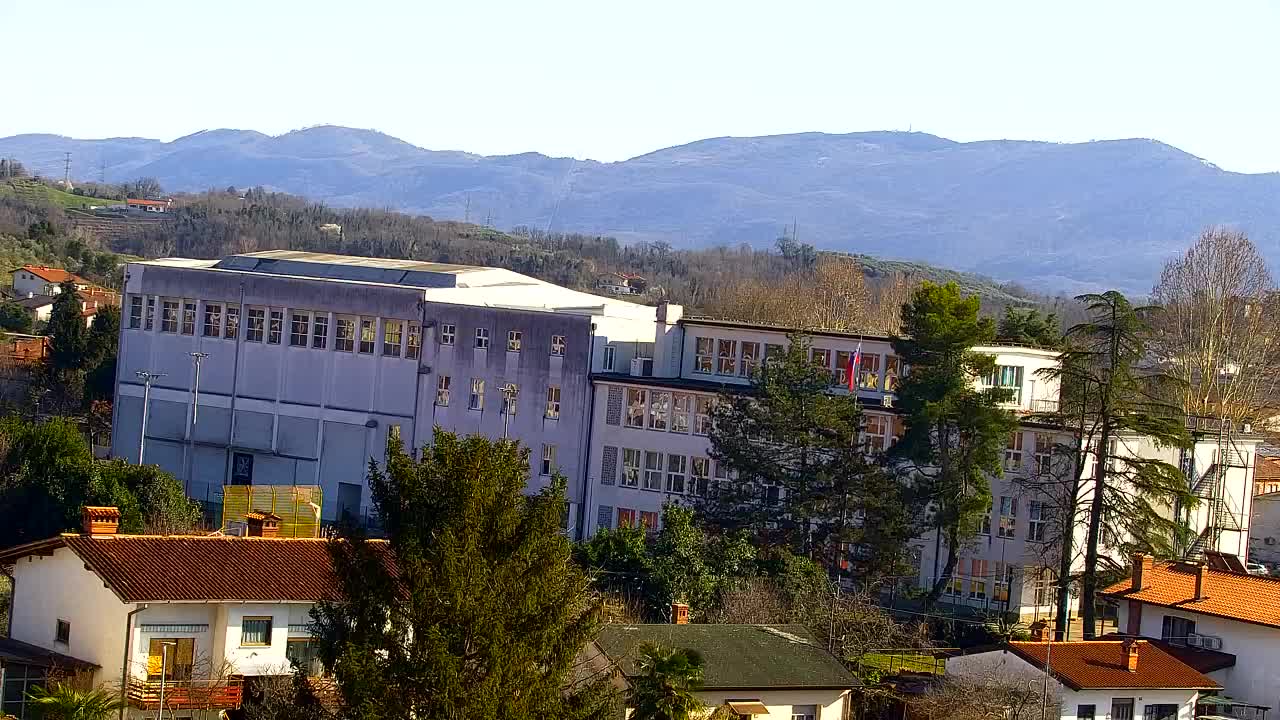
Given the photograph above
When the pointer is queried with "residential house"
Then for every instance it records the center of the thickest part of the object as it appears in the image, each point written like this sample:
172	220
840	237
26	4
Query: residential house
620	283
37	286
773	672
149	206
1122	679
1231	612
25	667
202	612
30	280
1266	474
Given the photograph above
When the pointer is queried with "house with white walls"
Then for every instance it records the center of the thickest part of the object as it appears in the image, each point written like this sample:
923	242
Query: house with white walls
1095	679
1213	608
763	672
198	614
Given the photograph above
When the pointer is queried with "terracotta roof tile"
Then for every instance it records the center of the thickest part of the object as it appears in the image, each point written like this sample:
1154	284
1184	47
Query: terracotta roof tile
157	568
52	274
1200	659
1100	664
1266	468
1247	598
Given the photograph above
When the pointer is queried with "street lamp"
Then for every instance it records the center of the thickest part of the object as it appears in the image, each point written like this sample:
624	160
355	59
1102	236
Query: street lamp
146	376
509	394
164	669
196	357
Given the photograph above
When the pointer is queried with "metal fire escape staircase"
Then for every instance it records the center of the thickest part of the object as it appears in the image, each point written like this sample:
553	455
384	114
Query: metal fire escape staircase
1210	488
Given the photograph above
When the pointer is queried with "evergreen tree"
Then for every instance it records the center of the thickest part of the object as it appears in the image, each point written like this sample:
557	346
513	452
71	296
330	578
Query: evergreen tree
471	608
67	331
1120	399
955	433
1029	327
14	318
100	354
666	684
802	478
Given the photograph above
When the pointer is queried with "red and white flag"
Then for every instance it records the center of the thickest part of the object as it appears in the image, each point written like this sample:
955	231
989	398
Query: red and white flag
854	360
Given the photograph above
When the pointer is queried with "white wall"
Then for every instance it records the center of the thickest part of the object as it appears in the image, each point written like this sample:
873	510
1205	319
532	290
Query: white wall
1254	678
58	587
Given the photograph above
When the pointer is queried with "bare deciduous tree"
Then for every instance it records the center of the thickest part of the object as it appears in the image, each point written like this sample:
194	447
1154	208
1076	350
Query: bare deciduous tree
985	697
1217	332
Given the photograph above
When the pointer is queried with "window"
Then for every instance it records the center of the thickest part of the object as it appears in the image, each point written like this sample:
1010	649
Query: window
726	357
659	409
1007	377
151	313
510	396
630	468
892	371
442	391
750	358
1013	452
804	712
703	348
721	473
299	328
1003	578
320	331
482	338
212	320
841	376
304	654
135	311
1086	712
62	632
368	335
1008	516
1042	587
1162	711
699	476
681	404
448	332
955	586
702	415
977	579
548	459
553	401
188	318
773	352
1044	454
413	344
345	340
169	316
557	345
626	518
986	524
1035	520
1122	709
652	470
232	328
869	372
170	658
1176	630
477	394
515	339
255	631
392	335
637	404
649	520
610	357
393	433
257	325
675	473
276	328
821	357
874	430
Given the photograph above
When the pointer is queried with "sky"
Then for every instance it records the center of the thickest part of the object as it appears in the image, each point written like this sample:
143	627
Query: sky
608	80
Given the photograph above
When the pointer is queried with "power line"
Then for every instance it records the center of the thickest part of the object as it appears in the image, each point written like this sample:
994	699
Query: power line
66	170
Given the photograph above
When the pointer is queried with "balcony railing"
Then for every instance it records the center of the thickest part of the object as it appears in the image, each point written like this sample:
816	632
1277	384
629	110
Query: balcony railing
1044	406
224	694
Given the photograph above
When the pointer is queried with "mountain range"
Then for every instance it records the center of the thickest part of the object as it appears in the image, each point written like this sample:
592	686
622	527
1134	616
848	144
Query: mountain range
1052	217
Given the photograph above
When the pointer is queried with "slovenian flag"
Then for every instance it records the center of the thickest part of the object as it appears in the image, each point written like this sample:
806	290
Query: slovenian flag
854	360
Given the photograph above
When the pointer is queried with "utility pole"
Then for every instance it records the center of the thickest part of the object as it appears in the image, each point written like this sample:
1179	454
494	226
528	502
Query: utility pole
509	394
66	170
466	213
102	171
146	376
197	358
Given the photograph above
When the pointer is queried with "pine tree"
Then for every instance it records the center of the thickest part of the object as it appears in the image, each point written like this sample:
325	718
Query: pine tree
471	608
802	479
955	433
67	331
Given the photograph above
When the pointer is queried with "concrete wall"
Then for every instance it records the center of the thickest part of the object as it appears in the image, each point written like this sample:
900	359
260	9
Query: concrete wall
1264	530
782	704
58	587
1253	679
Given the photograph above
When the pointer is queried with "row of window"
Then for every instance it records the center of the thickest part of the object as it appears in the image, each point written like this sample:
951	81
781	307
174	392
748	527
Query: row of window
740	358
1043	458
673	473
1006	508
510	396
308	329
975	576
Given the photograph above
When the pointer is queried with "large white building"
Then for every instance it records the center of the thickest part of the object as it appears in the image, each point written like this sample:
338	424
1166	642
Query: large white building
311	362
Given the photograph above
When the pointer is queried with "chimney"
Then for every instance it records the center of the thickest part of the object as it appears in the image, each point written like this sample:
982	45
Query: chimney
1130	648
100	520
1202	580
1142	564
266	525
1040	631
679	613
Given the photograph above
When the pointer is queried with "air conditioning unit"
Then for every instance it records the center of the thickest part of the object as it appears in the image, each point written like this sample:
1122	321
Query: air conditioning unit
1207	642
886	401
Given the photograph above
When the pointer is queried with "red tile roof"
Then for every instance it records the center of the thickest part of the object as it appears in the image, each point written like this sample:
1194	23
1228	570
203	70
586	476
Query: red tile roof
1247	598
1200	659
175	568
1100	664
52	274
1266	468
139	201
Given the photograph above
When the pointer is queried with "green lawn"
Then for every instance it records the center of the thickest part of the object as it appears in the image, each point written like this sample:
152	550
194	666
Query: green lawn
893	663
32	190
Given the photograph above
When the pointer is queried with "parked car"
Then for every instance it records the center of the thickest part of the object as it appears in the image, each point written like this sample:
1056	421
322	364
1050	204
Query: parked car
1257	569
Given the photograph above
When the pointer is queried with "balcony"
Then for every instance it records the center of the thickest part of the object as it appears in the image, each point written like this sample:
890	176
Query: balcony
223	694
1044	406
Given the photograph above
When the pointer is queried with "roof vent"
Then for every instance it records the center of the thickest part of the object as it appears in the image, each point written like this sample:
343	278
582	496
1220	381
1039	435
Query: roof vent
97	520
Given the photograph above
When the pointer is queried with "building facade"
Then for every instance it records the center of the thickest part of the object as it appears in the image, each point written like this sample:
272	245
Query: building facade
309	364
